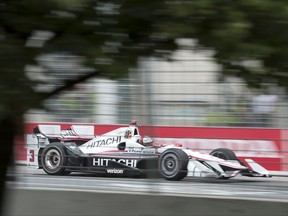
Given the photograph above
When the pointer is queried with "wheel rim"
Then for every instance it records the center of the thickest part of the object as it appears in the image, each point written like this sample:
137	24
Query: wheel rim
52	159
169	164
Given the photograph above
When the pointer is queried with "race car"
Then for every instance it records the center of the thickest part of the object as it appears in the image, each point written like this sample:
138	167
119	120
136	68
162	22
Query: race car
124	152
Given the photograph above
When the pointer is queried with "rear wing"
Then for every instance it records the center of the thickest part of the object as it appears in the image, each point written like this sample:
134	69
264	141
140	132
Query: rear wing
53	131
75	131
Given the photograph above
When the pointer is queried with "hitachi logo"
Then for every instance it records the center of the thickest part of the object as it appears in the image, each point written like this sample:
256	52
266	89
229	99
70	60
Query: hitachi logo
105	161
103	142
118	171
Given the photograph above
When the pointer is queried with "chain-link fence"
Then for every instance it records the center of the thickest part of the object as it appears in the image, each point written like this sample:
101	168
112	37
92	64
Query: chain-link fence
185	91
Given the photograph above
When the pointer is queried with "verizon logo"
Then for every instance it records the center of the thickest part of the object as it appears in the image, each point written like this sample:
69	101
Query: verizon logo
119	171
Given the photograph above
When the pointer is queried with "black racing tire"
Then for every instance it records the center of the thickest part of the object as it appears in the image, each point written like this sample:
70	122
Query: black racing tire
224	153
173	164
54	159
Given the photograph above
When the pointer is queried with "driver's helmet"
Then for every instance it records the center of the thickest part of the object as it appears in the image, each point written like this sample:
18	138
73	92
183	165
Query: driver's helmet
128	134
146	141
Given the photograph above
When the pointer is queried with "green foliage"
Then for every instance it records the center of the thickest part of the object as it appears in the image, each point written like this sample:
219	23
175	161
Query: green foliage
249	37
218	119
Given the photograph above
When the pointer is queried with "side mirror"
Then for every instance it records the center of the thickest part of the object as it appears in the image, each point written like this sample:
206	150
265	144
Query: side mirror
121	146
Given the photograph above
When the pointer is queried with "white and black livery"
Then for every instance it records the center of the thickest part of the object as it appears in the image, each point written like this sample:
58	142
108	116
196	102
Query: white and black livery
124	152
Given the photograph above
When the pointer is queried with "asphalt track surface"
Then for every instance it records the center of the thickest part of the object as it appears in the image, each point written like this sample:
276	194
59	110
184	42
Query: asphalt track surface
36	193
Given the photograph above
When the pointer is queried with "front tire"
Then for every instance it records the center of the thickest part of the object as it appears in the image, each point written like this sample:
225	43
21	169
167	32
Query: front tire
54	159
173	164
224	153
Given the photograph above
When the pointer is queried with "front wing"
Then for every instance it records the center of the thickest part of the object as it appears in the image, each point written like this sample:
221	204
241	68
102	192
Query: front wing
198	168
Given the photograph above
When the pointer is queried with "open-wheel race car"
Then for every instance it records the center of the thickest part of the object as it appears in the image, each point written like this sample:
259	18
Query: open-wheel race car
124	152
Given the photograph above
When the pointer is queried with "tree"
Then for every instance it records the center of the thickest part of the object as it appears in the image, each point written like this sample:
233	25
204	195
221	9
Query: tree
249	37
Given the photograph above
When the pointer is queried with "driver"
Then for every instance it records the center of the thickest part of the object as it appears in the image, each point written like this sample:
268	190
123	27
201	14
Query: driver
146	141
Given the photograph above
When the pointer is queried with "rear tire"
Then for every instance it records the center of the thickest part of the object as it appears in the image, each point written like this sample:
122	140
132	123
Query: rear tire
173	164
54	159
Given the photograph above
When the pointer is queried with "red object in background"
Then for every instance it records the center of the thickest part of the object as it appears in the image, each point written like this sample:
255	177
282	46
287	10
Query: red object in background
20	148
238	139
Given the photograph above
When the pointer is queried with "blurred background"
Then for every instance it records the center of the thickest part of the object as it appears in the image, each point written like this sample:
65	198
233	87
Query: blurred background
184	92
182	63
